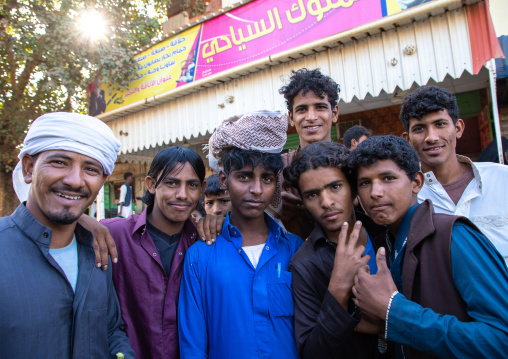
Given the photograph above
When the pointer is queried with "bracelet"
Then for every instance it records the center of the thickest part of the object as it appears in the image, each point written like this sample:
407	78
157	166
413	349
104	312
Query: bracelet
388	311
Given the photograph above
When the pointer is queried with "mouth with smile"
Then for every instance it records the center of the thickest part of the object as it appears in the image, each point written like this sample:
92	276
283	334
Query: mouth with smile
312	128
332	216
434	150
180	206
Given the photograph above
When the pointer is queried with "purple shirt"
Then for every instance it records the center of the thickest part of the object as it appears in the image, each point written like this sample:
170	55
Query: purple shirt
148	298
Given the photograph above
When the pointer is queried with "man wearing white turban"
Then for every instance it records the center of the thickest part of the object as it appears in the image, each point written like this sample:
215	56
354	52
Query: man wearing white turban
53	303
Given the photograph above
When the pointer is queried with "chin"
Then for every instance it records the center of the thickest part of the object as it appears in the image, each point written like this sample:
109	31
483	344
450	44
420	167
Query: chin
64	217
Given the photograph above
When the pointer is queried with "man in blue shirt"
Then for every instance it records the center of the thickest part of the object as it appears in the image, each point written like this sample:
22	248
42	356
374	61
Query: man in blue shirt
447	293
235	297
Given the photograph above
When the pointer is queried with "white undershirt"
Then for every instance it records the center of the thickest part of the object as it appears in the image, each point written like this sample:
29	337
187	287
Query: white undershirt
67	259
254	253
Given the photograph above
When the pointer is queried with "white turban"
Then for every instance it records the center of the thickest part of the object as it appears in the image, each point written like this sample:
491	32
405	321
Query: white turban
73	132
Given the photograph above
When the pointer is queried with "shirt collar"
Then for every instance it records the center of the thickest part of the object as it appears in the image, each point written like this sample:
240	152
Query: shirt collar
431	180
401	236
229	231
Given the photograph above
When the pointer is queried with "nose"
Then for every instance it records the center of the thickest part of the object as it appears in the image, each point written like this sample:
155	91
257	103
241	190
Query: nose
376	189
216	209
311	113
256	187
182	194
432	135
326	200
74	177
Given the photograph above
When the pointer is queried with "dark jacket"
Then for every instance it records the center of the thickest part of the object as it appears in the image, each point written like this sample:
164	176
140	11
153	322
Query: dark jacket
323	328
427	277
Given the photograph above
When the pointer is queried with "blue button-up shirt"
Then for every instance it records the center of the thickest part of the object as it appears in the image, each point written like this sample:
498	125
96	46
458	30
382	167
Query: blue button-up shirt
228	308
481	278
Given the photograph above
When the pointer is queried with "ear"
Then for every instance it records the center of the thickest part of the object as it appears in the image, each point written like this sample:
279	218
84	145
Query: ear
104	178
27	166
291	122
405	135
150	184
417	183
354	143
203	186
459	128
223	180
335	114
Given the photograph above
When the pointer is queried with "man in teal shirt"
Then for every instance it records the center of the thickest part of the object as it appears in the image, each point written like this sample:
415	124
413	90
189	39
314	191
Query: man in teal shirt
447	293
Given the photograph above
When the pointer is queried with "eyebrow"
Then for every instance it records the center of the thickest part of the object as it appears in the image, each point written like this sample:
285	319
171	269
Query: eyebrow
65	157
328	185
179	180
315	104
379	174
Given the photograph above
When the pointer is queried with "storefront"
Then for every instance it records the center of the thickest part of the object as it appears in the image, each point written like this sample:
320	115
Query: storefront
377	58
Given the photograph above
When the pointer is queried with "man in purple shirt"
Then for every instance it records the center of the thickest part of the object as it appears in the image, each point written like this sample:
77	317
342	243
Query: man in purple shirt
152	247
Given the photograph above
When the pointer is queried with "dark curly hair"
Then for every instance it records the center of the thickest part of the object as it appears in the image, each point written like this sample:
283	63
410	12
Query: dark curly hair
384	148
427	100
318	154
234	158
310	80
213	187
355	132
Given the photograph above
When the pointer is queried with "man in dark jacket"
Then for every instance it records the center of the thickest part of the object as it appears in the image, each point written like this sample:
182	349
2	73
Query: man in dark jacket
447	293
327	323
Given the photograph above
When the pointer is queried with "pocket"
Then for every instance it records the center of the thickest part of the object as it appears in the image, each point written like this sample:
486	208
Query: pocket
98	327
280	295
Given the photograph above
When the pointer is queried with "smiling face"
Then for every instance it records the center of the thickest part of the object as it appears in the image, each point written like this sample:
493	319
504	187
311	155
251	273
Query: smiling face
218	205
434	138
327	196
64	184
313	117
386	192
250	190
175	197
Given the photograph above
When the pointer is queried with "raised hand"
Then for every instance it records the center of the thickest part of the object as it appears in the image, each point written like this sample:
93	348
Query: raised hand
348	259
372	292
209	227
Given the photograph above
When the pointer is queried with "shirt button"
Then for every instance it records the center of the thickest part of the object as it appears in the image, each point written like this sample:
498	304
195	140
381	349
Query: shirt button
239	251
180	253
267	248
45	234
155	254
430	180
428	174
193	235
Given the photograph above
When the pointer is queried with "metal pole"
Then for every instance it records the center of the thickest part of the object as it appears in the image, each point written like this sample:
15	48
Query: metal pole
100	205
495	111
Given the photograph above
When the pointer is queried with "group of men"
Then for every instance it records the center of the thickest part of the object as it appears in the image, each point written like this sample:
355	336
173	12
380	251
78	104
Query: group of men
419	274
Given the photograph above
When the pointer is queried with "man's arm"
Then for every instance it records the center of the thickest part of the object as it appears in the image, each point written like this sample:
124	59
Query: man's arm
323	328
192	330
480	277
117	339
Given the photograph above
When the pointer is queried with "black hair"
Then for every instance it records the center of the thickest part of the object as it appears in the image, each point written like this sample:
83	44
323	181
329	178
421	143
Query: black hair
427	100
355	132
310	80
387	147
199	208
318	154
127	175
235	159
213	187
169	160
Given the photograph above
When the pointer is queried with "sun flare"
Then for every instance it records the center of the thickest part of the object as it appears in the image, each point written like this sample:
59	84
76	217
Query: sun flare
92	25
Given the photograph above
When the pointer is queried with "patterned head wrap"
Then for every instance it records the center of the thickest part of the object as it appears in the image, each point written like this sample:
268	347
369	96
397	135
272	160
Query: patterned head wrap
264	131
74	132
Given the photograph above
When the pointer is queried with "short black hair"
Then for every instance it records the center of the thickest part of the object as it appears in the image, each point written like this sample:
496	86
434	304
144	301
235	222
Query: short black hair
199	208
355	132
127	175
427	100
173	159
387	147
213	187
310	80
318	154
234	159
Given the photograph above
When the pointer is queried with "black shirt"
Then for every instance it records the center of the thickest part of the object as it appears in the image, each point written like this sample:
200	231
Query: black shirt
323	328
165	244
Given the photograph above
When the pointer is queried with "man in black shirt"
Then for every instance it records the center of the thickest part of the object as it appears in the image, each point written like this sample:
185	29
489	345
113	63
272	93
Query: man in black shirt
327	324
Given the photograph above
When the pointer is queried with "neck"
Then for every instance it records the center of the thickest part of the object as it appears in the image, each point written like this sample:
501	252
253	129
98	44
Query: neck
448	172
163	224
254	230
61	235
